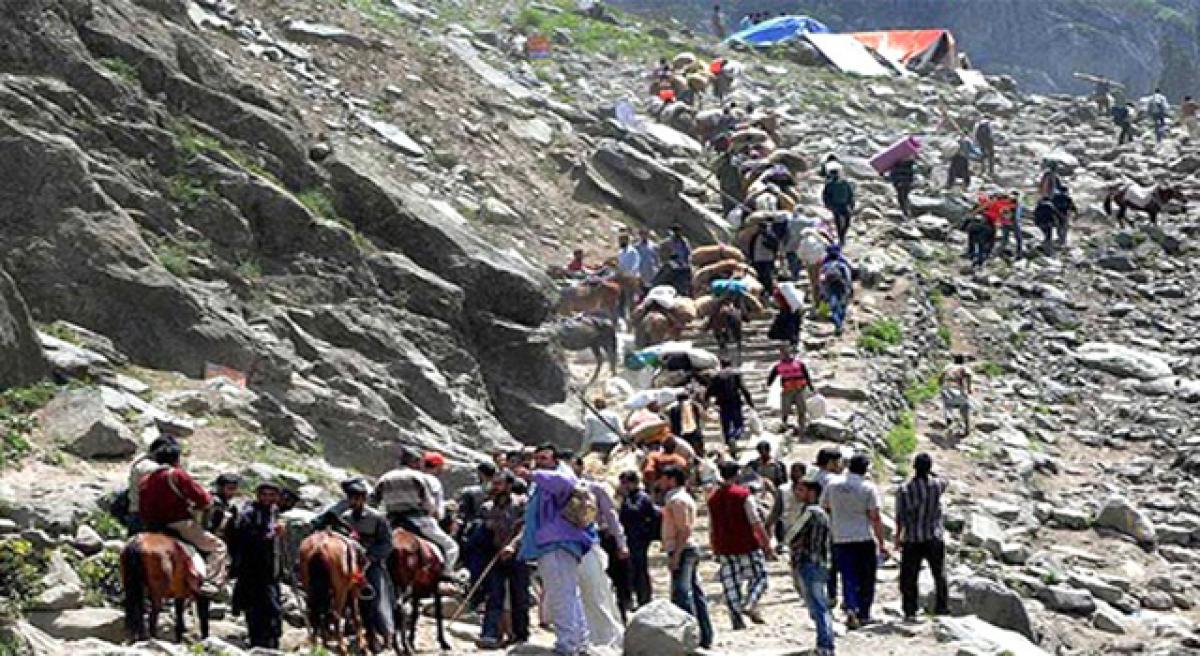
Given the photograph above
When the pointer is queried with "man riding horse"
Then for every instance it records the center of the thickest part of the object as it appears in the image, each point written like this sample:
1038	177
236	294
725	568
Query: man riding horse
408	499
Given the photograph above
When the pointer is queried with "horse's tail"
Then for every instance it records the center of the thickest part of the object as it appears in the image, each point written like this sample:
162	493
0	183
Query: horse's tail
320	591
133	582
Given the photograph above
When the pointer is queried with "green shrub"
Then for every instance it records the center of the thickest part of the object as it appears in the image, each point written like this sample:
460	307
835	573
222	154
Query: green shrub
250	269
101	577
879	335
922	391
944	335
186	190
319	203
121	68
22	568
990	369
16	421
174	258
901	440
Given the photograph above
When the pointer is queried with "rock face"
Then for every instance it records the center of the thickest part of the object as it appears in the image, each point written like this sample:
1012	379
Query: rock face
82	423
107	624
1123	361
661	628
1120	515
21	358
378	317
981	637
996	604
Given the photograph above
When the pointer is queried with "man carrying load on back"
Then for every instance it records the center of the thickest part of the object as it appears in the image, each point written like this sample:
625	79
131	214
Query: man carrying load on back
838	197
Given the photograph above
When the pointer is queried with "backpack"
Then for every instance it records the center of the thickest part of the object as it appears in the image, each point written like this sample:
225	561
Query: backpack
833	276
581	509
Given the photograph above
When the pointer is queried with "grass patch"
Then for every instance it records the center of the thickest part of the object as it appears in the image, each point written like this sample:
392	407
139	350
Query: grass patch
879	335
921	391
250	269
121	69
319	203
901	440
59	331
990	369
591	35
101	577
22	568
16	421
259	450
175	256
944	334
192	142
186	190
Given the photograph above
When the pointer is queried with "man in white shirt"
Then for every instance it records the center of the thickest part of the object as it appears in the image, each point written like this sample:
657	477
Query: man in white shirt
853	505
629	273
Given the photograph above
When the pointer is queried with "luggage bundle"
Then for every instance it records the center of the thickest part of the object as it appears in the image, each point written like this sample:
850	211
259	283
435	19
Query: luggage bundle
731	268
703	256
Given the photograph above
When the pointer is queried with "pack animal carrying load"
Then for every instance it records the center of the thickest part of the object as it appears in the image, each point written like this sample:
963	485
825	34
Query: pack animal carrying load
703	256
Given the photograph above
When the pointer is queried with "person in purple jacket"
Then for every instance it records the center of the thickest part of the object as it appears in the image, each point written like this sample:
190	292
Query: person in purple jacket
557	546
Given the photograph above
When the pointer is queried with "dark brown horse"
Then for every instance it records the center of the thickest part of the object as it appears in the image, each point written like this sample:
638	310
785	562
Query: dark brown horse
331	575
416	568
726	326
1155	201
590	331
157	567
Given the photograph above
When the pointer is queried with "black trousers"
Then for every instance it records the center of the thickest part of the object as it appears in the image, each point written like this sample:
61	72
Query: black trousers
911	557
619	572
264	617
639	569
902	193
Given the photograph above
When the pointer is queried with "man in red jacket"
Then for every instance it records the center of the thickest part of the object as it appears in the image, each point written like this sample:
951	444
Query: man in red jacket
741	544
168	497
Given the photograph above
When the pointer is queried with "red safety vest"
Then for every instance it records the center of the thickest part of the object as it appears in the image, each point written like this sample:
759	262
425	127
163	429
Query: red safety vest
793	374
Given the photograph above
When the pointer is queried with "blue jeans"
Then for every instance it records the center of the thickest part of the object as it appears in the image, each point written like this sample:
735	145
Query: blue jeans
733	424
814	581
856	562
795	267
510	577
688	595
837	308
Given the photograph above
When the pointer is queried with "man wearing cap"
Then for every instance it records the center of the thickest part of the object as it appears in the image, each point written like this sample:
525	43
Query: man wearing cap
255	541
502	516
142	467
372	531
809	544
222	513
167	499
409	498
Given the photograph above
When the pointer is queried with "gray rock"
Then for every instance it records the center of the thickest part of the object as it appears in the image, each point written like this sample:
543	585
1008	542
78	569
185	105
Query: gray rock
985	532
58	597
1075	519
661	628
1109	620
994	603
494	210
976	634
1117	262
1123	360
993	102
1071	601
306	32
79	420
1120	515
107	624
828	428
21	359
394	136
87	540
534	130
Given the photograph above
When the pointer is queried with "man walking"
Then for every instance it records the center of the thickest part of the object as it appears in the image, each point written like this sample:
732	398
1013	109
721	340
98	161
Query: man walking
640	519
919	535
986	140
729	390
683	553
222	514
956	392
902	176
557	545
838	197
853	504
1122	116
254	541
768	468
648	260
739	539
809	544
602	568
628	274
796	387
502	516
829	468
409	499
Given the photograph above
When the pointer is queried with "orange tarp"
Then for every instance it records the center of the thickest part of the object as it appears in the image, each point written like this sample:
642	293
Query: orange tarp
907	46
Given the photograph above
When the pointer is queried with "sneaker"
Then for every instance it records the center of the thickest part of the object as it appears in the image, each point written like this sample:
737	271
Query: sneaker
852	622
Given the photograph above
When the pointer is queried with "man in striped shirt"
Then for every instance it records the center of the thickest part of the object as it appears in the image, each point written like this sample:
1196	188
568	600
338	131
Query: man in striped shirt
919	534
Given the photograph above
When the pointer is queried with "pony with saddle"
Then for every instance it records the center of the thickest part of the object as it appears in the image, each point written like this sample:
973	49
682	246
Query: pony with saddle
158	567
1151	200
331	574
416	567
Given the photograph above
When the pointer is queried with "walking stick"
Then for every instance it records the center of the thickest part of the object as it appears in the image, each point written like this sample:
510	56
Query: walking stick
486	570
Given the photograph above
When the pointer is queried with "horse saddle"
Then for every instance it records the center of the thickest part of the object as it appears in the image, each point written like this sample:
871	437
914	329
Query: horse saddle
1138	195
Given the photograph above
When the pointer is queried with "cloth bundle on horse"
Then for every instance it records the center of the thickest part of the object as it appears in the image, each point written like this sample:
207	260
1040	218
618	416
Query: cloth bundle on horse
1151	200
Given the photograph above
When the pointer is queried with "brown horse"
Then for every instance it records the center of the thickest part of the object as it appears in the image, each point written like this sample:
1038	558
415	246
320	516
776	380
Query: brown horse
602	297
157	567
1156	200
331	576
416	568
726	326
655	328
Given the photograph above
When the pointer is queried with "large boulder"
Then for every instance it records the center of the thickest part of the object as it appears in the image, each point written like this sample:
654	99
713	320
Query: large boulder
21	359
1123	361
107	624
660	628
641	186
1122	516
994	603
79	420
979	637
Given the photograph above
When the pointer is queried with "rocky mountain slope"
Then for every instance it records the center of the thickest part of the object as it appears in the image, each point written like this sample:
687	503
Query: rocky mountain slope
1041	44
351	203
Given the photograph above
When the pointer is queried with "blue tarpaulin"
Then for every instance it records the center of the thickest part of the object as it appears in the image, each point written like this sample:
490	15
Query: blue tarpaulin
778	30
